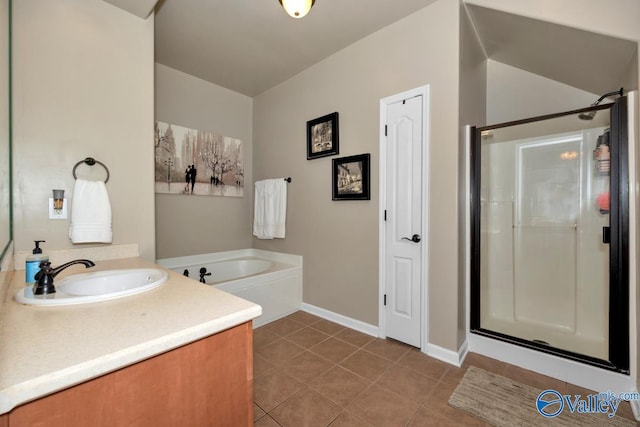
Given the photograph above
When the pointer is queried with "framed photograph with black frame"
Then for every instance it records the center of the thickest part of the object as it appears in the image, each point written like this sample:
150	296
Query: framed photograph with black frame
351	178
322	136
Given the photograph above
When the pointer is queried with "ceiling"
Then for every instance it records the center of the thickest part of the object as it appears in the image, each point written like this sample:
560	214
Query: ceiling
588	61
250	46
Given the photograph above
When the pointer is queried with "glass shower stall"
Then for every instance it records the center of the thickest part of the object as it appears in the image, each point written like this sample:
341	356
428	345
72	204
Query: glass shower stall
549	234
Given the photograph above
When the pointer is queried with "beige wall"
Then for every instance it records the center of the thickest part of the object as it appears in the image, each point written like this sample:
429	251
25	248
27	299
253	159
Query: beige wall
5	189
185	224
515	94
617	18
339	240
83	86
473	101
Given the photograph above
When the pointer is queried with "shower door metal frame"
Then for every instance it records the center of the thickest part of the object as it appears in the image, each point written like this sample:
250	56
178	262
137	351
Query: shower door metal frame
618	246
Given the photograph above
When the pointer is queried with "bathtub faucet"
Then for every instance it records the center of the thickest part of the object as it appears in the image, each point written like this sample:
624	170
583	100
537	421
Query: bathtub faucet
203	272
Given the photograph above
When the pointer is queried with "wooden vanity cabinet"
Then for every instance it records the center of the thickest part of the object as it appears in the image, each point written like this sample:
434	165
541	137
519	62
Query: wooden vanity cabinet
206	383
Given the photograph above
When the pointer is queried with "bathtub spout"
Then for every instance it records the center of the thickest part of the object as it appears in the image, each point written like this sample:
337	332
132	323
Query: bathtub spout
203	272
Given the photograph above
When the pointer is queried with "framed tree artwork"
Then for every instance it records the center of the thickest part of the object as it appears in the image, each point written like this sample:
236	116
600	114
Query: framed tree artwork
197	162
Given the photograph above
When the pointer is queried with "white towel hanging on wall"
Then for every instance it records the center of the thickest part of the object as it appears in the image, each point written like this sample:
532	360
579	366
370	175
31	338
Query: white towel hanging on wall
90	213
270	208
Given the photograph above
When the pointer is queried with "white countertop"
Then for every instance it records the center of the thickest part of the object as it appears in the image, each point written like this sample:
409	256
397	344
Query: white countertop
46	349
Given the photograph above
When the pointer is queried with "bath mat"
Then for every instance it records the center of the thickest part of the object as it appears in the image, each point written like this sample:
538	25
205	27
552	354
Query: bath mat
501	402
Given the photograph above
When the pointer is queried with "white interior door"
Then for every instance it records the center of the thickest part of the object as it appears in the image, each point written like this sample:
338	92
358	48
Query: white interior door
403	220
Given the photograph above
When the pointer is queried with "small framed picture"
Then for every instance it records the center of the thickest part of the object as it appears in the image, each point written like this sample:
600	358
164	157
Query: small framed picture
351	178
322	136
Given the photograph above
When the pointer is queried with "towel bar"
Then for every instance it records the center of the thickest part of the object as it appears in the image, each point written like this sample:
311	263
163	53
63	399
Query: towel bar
91	161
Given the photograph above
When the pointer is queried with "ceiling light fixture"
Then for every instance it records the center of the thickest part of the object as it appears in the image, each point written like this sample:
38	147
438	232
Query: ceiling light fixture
297	8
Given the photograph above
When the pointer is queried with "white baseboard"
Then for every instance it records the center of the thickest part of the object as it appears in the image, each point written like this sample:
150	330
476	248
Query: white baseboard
463	351
432	350
446	355
635	407
357	325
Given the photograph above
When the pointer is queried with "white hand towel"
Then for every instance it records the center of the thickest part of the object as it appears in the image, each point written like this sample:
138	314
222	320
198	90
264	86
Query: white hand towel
90	213
270	208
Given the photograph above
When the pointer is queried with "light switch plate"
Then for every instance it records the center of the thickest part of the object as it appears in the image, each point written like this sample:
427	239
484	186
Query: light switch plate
61	214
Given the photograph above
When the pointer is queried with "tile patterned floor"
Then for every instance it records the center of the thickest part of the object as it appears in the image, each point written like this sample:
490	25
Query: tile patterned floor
312	372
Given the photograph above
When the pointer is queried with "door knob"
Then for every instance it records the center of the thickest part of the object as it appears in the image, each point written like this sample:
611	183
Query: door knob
415	238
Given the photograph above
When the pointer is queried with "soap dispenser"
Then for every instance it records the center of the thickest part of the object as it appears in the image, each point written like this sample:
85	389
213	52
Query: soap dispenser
33	262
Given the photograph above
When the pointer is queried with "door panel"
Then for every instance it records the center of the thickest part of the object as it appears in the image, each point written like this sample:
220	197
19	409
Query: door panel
404	219
402	268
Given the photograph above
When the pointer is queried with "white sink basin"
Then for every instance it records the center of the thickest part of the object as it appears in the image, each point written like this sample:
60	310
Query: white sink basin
96	286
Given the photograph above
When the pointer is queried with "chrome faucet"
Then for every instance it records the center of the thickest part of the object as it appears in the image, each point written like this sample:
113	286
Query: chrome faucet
44	277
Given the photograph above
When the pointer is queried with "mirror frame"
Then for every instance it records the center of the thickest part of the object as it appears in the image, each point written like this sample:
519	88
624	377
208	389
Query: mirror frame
6	248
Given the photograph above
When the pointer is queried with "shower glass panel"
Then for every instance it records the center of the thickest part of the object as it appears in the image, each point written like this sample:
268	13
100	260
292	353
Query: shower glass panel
541	246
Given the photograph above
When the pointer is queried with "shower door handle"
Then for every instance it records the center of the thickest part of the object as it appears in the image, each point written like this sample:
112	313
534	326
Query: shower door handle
606	235
415	238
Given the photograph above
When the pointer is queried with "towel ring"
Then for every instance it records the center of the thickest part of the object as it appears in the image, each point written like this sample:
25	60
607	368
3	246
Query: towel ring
90	161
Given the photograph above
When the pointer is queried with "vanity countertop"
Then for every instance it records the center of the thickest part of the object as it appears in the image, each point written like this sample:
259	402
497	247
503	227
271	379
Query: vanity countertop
47	349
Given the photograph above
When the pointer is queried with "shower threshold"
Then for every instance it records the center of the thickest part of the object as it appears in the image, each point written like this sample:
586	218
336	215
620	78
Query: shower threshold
592	346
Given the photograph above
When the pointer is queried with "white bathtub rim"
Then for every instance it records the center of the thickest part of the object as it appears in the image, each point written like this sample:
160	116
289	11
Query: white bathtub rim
278	257
272	272
233	269
283	266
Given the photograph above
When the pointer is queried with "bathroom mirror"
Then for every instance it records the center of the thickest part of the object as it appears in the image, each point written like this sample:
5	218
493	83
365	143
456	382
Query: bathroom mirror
5	129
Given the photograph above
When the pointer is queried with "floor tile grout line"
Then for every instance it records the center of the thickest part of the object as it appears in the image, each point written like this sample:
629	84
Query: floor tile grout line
288	339
382	357
376	381
333	334
274	420
310	348
370	384
441	381
392	363
367	388
375	384
346	410
413	417
393	391
331	361
286	400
